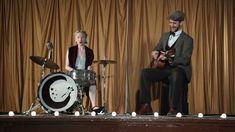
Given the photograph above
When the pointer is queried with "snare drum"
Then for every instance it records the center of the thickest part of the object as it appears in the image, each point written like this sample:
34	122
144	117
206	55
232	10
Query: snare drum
57	92
83	77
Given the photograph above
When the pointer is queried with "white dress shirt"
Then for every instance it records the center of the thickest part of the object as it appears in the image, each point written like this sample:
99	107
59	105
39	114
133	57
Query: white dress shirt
173	38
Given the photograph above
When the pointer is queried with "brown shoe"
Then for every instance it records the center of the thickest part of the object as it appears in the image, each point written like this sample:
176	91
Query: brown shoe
172	112
145	109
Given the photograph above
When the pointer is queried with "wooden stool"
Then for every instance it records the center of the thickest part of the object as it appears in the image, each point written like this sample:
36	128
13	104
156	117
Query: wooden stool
164	104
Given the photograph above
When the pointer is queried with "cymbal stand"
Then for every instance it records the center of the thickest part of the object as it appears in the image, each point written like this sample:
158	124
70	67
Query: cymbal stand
104	87
42	70
36	104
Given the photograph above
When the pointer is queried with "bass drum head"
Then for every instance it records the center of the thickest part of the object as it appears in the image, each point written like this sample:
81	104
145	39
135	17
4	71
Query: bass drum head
57	92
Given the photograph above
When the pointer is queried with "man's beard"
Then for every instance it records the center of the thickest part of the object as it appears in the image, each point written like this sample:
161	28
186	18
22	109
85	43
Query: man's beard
176	29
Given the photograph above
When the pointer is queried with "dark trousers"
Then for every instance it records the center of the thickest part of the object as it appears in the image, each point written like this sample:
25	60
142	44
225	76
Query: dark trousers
176	78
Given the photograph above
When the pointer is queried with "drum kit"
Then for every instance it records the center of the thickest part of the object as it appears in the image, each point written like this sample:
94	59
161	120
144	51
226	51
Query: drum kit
63	92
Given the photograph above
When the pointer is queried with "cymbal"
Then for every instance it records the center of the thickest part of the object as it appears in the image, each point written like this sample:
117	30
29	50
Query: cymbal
42	60
105	61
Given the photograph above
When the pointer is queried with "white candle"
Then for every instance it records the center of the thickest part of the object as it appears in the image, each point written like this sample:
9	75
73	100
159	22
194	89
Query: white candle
200	115
93	113
178	114
223	116
133	114
11	113
77	113
156	114
114	113
33	113
56	113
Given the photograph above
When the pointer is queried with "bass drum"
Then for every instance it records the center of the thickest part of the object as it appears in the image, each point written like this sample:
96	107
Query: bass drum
57	92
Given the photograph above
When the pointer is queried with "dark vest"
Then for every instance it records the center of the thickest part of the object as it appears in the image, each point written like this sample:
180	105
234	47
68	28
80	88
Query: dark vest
169	48
73	52
173	46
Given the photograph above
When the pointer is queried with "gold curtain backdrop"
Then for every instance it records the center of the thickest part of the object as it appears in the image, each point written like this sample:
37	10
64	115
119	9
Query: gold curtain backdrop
121	30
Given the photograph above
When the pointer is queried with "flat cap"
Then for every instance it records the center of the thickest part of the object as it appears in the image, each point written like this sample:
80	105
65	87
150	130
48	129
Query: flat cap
177	16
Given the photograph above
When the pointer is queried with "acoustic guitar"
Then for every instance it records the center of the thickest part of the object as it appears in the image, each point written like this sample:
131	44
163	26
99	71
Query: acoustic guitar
159	63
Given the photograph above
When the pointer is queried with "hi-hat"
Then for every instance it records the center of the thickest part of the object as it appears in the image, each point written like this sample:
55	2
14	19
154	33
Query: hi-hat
42	60
105	62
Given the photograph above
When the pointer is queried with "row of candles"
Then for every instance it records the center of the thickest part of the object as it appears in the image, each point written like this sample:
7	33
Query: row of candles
133	114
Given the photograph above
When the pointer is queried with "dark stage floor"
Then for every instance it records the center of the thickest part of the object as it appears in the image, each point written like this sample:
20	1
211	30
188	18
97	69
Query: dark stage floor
119	123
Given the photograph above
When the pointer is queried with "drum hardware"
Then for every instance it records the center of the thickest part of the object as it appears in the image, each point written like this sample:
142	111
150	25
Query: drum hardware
104	63
44	63
83	78
78	105
35	105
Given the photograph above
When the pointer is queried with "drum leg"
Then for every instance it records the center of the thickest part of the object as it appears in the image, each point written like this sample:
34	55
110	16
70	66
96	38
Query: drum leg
80	100
35	105
78	104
